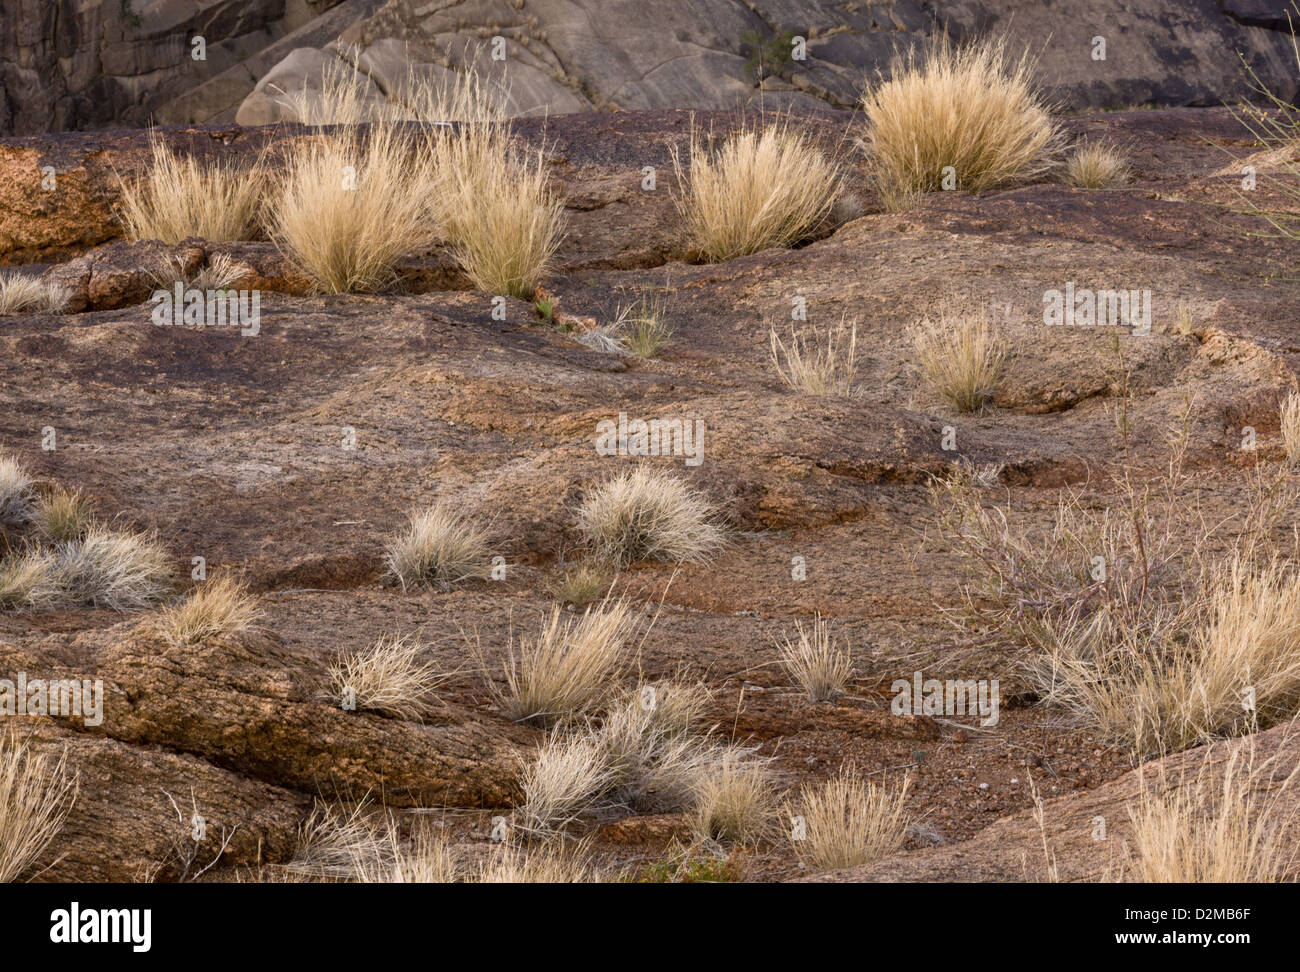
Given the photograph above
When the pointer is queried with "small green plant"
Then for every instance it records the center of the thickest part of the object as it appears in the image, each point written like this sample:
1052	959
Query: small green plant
690	870
768	56
546	308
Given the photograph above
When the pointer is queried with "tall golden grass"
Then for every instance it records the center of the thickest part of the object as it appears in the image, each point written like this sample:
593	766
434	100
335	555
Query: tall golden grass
351	205
181	196
761	188
36	793
1237	829
971	108
963	357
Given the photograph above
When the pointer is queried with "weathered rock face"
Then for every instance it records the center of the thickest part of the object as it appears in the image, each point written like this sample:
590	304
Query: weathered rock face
105	62
230	447
1016	848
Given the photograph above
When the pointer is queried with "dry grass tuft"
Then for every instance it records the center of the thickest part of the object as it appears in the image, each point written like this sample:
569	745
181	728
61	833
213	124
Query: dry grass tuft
36	793
674	705
653	767
351	206
565	670
816	663
15	492
441	548
734	800
388	677
567	778
583	584
220	607
221	272
1240	829
30	295
1289	416
817	363
503	222
649	515
180	197
1096	165
63	515
491	197
641	327
551	864
109	569
971	108
29	582
1148	619
848	822
338	845
1181	681
760	189
425	857
963	358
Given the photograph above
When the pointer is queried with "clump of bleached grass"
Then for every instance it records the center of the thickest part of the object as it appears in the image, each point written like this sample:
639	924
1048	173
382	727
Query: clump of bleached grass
63	514
813	659
15	492
490	196
567	777
36	793
112	569
338	844
1096	165
30	295
648	515
503	222
816	362
220	272
441	547
962	356
734	798
29	581
1239	829
391	677
221	606
761	188
565	671
651	769
848	821
551	863
673	705
350	206
973	109
582	584
180	196
425	857
642	326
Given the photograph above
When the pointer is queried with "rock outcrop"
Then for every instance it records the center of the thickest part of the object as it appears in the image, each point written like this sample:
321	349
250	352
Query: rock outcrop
105	62
1082	836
